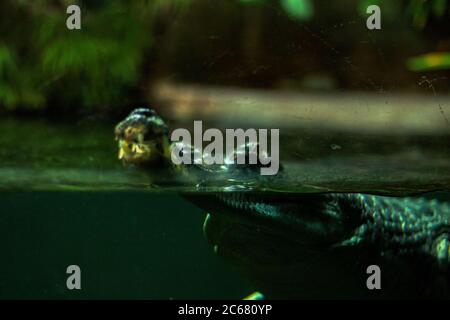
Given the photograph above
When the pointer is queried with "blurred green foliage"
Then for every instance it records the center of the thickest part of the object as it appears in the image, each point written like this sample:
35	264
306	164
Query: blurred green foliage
106	64
101	62
429	61
421	11
302	10
42	62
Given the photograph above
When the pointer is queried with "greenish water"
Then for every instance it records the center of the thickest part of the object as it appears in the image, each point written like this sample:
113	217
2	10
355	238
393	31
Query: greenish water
128	245
82	156
66	199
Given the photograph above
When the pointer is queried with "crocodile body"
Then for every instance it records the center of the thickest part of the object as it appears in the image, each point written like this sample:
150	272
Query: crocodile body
331	239
311	245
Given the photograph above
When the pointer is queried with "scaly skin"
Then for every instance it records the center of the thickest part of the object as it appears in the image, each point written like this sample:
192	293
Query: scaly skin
287	244
317	245
404	225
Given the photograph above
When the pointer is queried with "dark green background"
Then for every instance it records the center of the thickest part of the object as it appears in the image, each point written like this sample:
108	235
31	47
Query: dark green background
128	245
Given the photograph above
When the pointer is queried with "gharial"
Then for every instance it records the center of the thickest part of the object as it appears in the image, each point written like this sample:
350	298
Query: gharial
294	245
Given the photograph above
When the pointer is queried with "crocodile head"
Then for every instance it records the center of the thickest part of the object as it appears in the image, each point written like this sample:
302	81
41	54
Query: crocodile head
142	138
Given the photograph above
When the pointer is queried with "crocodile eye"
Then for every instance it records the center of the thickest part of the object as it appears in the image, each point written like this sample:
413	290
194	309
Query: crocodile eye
128	131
